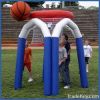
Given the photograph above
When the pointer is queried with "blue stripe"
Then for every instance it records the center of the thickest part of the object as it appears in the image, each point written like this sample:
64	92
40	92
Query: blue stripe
99	52
19	63
47	66
55	66
81	61
0	52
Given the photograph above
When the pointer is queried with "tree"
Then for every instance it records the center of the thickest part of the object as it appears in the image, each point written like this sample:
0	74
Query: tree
71	3
67	4
53	5
7	3
36	4
32	4
59	5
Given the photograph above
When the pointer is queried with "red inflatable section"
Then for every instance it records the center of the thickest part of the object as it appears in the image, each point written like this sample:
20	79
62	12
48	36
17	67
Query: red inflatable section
52	14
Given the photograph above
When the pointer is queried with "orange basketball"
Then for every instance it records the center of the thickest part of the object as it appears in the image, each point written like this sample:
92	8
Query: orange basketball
20	11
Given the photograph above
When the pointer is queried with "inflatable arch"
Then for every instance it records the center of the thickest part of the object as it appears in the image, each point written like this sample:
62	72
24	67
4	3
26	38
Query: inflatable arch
51	46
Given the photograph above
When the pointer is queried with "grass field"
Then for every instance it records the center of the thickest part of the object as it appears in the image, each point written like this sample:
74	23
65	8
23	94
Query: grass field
35	89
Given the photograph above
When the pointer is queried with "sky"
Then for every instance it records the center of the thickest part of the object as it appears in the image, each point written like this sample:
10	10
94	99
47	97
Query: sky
86	4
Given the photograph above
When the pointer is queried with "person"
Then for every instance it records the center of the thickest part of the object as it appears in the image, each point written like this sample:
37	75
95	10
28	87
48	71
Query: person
28	60
67	62
87	54
62	59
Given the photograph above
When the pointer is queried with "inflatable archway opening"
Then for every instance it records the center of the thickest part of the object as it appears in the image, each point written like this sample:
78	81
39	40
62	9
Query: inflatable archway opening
51	46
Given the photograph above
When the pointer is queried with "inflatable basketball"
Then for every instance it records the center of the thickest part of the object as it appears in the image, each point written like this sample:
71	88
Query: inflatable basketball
20	11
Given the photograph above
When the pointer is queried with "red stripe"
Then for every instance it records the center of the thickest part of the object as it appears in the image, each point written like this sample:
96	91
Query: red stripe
37	44
52	14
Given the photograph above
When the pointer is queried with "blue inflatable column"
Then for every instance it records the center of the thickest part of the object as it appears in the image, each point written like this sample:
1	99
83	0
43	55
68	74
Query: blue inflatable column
82	65
43	71
19	63
55	65
47	66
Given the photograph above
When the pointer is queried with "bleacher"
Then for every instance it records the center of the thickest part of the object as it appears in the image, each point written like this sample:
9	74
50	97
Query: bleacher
87	21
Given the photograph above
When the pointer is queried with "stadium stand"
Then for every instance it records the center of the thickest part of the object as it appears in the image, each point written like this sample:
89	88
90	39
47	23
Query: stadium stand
87	20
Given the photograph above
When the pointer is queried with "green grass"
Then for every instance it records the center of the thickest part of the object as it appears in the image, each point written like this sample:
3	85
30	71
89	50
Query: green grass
35	89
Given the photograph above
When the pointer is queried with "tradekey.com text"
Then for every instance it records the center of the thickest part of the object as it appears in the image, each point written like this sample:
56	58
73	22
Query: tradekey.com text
83	96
